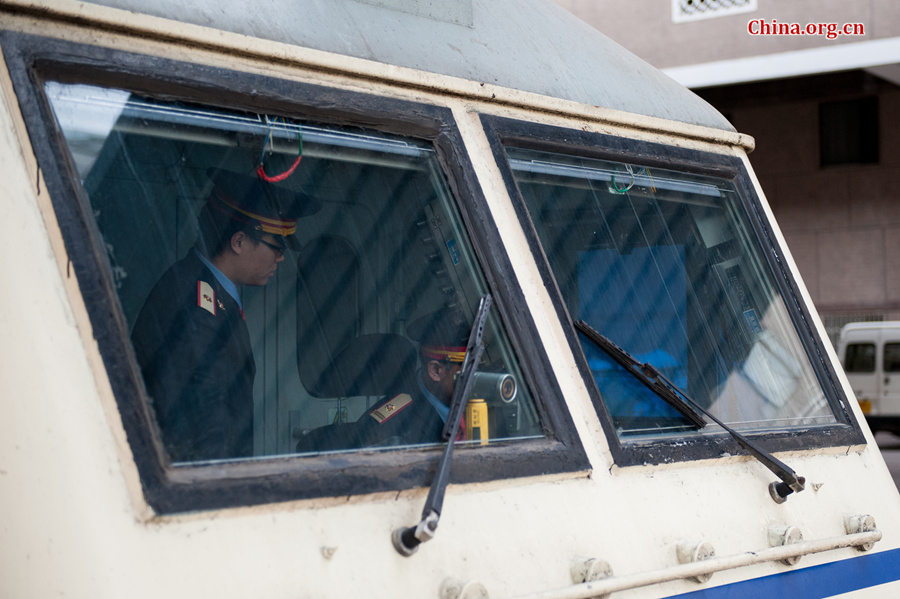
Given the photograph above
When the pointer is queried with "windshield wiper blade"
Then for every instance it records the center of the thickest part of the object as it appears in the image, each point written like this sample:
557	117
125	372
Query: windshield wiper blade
645	373
407	540
684	403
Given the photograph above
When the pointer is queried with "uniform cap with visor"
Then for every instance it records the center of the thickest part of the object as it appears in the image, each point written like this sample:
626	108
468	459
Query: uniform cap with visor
268	207
439	338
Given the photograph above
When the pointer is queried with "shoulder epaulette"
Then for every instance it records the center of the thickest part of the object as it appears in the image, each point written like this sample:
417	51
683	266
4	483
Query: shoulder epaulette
206	297
391	407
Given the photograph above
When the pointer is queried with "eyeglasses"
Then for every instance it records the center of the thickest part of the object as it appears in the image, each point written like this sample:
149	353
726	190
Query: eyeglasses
278	249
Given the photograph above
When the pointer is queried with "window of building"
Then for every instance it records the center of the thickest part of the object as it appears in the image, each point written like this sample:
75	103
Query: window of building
694	10
848	132
674	267
860	357
285	287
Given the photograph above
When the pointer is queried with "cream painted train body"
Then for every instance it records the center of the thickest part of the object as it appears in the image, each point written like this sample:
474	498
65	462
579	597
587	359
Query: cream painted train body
648	351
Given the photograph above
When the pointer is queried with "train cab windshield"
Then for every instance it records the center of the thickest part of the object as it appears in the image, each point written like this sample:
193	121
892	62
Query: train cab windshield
667	266
350	334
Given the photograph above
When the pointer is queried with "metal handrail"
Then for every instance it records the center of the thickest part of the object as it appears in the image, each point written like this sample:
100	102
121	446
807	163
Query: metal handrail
716	564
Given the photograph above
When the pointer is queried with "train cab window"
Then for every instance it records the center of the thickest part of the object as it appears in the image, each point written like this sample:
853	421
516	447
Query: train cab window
289	286
282	279
668	269
860	357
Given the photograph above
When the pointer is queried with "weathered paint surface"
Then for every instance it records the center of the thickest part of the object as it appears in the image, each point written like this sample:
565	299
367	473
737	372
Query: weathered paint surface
534	46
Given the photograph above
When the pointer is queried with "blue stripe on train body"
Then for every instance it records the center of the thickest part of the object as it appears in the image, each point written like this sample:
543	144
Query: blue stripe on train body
824	580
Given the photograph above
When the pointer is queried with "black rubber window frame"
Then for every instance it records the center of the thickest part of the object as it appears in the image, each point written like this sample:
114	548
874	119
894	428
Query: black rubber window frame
31	60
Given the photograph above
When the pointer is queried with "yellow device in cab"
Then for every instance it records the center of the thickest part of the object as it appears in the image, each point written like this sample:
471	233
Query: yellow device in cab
477	421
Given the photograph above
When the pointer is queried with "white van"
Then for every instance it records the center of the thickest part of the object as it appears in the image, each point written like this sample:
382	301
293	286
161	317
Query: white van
870	354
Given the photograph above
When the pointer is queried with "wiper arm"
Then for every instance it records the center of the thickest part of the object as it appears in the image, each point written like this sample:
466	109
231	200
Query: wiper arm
677	398
407	540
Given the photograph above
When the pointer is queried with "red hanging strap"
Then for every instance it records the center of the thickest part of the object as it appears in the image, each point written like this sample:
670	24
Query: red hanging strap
261	172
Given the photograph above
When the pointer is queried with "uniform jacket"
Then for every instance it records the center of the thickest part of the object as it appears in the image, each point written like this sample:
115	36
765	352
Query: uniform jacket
194	351
401	419
404	419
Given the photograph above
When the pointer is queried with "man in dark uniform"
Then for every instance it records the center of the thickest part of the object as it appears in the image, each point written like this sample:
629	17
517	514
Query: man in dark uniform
190	336
413	417
418	417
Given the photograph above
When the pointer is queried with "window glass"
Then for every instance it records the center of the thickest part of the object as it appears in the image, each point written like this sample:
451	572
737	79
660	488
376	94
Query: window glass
848	131
891	357
860	357
666	266
289	286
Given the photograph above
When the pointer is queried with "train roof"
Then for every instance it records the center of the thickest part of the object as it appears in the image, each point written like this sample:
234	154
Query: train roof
529	45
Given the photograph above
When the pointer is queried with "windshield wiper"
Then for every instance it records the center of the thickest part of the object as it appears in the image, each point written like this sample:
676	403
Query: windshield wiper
645	373
407	540
669	391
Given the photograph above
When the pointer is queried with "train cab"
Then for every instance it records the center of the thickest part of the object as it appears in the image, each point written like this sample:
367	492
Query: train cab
396	298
